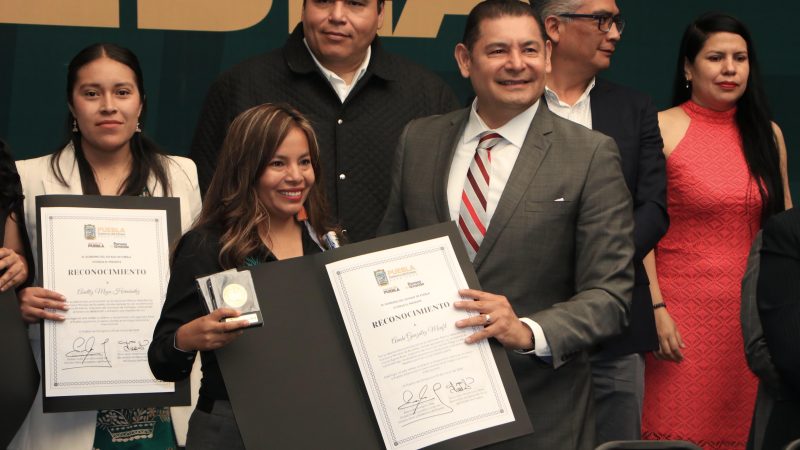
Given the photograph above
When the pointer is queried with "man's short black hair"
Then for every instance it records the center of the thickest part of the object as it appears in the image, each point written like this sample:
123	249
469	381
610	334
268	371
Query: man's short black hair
492	9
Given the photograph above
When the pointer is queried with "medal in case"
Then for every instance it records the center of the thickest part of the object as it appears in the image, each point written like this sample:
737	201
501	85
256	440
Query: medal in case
232	289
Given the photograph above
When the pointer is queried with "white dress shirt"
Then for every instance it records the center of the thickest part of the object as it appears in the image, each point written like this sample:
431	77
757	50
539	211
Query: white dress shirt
580	112
504	156
337	83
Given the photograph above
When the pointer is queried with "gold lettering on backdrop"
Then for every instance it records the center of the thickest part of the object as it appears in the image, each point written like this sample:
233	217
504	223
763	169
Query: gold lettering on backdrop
423	18
201	15
83	13
419	18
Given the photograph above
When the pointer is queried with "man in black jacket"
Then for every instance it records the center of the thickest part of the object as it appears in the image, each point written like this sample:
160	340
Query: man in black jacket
584	34
357	96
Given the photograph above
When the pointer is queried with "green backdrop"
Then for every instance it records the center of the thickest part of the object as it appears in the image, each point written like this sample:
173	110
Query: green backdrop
180	65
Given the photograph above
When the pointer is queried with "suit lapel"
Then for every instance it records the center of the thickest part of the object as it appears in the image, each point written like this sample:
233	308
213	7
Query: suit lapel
445	150
154	188
531	155
69	169
603	117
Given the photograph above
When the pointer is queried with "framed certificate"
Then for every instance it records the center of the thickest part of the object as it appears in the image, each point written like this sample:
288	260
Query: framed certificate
109	256
362	378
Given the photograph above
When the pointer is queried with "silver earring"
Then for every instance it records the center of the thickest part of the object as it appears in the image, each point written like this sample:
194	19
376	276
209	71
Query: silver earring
74	126
138	129
688	84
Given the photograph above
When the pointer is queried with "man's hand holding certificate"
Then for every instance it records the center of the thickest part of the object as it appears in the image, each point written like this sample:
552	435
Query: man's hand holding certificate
497	319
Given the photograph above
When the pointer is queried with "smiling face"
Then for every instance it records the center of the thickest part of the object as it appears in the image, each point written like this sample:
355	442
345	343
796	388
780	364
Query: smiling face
339	32
719	72
581	41
506	66
288	177
106	105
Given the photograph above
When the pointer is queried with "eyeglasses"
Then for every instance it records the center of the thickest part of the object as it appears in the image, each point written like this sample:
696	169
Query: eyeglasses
604	21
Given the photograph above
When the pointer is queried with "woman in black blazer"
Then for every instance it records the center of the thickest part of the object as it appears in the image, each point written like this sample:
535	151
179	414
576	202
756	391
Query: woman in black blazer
265	203
778	301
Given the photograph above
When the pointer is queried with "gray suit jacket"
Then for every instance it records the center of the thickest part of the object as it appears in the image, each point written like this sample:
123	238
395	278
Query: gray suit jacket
565	264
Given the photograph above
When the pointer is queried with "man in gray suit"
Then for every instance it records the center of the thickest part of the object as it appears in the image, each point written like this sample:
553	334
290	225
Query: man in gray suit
543	210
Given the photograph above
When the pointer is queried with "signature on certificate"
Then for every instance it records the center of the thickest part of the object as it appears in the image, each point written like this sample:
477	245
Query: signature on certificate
132	345
461	385
85	354
425	404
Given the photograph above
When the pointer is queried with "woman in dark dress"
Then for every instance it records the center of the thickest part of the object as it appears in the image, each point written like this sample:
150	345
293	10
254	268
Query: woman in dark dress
265	203
15	255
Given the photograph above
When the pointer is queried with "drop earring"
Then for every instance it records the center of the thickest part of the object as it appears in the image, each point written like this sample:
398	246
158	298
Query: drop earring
74	126
138	129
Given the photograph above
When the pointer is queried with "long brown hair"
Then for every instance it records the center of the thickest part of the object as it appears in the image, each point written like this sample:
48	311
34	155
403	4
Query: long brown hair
231	202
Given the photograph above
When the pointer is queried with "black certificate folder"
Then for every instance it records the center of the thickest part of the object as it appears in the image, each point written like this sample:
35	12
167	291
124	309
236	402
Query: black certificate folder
20	379
106	400
295	383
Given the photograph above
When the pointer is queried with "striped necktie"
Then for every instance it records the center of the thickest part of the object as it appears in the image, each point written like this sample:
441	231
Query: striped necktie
472	218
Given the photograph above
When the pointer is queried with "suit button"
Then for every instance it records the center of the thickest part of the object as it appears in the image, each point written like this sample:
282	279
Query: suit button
342	176
340	121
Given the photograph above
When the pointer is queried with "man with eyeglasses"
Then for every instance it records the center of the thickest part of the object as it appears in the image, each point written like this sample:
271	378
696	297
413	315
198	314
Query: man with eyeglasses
584	35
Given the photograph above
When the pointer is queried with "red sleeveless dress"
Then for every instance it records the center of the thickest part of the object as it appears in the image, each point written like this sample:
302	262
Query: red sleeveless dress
715	209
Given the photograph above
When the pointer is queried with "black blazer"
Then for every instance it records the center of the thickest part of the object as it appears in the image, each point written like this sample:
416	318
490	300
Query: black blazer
778	298
630	118
357	138
779	294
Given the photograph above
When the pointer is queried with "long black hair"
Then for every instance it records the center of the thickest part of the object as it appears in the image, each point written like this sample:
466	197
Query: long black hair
10	188
147	156
492	9
753	116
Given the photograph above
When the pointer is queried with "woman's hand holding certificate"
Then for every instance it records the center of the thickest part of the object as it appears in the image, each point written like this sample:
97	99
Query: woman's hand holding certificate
35	302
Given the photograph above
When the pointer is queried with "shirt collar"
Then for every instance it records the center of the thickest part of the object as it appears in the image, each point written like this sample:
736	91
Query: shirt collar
514	131
331	76
553	97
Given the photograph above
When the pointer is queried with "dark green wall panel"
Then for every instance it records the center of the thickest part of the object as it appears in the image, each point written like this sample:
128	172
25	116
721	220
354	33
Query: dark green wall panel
180	65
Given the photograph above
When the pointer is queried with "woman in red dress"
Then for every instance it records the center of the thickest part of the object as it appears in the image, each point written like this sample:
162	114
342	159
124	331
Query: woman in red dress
726	173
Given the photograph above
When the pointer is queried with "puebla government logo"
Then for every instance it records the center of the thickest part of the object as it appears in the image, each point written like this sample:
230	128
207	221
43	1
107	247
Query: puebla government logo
381	278
89	232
